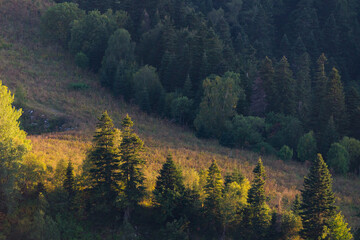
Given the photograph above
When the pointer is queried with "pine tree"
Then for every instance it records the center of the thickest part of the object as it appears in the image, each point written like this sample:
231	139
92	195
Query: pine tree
187	88
320	92
318	201
267	76
69	182
285	84
104	161
258	211
303	88
131	165
296	206
328	136
335	101
213	189
169	188
353	109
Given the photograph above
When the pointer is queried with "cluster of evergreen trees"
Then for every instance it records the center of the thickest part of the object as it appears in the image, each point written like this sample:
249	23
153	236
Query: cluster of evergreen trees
108	198
212	65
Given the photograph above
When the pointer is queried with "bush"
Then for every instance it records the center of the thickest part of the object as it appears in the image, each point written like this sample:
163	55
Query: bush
56	22
285	153
352	146
181	109
306	148
264	148
338	158
78	86
81	60
149	93
283	130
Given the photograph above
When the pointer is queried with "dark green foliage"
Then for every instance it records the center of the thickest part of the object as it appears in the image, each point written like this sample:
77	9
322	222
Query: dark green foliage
56	22
267	74
120	52
81	60
353	110
283	130
244	132
218	104
258	213
175	230
352	146
78	86
148	89
169	190
104	164
296	206
182	109
335	101
213	189
285	153
90	35
338	158
318	201
328	136
306	148
131	165
69	181
285	84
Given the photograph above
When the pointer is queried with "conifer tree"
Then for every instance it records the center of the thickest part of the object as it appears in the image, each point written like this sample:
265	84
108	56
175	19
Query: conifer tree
353	109
318	201
320	92
213	189
104	161
258	211
169	188
296	206
69	182
131	165
303	88
267	75
285	88
335	101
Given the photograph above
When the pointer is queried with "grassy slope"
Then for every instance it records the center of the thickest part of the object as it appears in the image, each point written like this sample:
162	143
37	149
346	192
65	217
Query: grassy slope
45	71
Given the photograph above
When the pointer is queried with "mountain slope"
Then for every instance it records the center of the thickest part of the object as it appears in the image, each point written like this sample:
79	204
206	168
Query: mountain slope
48	76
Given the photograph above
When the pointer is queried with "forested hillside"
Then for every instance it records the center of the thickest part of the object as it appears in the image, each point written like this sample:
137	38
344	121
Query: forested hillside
277	78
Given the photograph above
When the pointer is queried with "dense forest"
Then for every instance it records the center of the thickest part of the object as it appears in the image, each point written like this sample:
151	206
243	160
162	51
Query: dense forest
280	78
272	76
109	196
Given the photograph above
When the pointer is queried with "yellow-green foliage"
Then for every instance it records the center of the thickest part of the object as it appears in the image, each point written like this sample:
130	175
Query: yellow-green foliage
46	72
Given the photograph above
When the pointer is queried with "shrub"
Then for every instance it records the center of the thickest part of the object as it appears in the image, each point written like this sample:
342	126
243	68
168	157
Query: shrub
306	148
181	109
338	158
285	153
78	86
81	60
149	92
264	148
352	146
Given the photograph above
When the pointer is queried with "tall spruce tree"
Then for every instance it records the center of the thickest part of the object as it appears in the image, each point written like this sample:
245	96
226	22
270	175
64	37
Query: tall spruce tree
169	189
213	189
131	165
335	101
267	75
285	84
258	212
104	161
69	182
318	201
319	118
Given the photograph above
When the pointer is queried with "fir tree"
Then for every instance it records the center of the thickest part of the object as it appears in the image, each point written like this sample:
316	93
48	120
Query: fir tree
320	92
285	87
267	75
213	189
131	165
335	101
169	188
69	182
104	161
258	212
296	206
318	201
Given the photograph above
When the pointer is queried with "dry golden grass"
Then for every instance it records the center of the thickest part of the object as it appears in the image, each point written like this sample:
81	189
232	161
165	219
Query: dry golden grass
45	71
